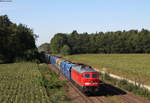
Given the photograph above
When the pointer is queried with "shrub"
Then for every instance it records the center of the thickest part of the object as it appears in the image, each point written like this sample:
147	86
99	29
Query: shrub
55	87
65	50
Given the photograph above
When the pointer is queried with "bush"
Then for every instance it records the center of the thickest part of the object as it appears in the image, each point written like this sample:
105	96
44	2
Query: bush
55	87
65	50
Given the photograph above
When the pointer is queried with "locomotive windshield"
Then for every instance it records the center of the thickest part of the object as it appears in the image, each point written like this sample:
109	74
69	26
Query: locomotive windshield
86	75
94	76
90	76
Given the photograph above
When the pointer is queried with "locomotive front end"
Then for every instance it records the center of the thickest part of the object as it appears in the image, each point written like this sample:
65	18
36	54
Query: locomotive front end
90	81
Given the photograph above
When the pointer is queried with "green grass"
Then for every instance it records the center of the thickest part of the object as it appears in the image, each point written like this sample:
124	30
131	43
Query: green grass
56	88
127	86
23	83
131	66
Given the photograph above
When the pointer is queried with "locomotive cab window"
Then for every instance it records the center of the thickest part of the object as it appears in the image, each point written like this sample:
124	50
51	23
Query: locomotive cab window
94	76
86	75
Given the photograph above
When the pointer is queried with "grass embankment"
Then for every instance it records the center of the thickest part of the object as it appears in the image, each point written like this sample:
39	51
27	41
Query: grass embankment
127	86
23	83
132	66
56	88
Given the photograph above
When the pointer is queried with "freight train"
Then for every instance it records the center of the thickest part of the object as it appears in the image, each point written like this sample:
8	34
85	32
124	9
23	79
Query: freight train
84	76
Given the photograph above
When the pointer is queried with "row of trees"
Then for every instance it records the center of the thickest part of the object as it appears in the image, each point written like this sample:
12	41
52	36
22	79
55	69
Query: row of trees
16	41
132	41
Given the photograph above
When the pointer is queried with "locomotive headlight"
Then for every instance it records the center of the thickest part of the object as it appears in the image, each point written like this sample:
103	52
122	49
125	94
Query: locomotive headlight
87	83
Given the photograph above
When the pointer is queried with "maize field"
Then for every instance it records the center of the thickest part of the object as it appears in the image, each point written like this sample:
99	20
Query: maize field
19	83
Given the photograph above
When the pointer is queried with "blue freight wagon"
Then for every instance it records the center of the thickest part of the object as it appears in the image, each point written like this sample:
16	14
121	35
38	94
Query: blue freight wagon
65	68
53	59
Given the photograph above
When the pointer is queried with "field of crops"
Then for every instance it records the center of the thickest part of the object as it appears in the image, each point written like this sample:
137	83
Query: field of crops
131	66
19	84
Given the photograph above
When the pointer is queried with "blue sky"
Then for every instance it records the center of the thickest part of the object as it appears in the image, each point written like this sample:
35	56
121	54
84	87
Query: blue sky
47	17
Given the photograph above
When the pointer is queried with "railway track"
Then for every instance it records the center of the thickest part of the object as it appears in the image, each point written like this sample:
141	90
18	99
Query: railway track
86	100
79	97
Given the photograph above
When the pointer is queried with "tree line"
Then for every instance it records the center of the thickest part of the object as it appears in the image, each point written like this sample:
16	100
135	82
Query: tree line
16	41
132	41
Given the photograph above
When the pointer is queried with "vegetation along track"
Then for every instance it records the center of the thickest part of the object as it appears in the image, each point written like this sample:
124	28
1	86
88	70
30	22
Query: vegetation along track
128	97
106	94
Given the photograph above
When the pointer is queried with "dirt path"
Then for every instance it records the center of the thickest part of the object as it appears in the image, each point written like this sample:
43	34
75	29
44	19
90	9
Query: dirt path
109	93
122	78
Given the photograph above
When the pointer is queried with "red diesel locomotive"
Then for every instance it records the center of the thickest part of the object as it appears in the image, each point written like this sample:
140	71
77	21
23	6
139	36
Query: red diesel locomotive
86	77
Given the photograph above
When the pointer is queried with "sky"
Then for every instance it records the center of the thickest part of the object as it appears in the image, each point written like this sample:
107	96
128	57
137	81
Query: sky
48	17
